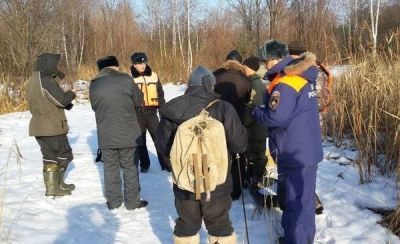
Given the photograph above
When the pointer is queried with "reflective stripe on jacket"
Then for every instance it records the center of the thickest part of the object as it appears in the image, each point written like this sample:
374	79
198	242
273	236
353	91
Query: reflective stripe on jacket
291	115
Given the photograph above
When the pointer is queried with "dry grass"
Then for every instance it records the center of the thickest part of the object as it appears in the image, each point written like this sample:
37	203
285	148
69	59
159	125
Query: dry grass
9	105
393	221
366	105
86	72
14	151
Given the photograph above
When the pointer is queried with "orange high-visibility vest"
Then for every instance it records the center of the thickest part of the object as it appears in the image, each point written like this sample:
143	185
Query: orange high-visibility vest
148	86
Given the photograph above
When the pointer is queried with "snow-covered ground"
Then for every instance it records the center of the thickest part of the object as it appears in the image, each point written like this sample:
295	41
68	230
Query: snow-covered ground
29	217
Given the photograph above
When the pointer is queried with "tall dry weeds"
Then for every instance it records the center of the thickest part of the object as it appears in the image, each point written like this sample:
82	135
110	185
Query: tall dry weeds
14	152
13	104
366	106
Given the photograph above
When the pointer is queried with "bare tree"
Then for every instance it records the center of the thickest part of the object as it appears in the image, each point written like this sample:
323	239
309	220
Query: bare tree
174	22
189	48
374	23
275	9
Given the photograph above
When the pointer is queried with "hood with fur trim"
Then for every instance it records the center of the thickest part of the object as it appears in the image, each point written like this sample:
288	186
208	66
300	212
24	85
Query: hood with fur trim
303	66
231	65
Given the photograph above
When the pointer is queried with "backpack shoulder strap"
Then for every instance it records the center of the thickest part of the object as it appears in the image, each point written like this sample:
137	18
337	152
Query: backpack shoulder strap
211	103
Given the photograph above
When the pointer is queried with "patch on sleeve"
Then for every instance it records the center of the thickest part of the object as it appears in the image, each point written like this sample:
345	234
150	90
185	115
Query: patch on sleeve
274	100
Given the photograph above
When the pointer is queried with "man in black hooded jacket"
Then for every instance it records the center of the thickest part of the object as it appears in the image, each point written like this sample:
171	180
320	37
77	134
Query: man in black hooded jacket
47	103
191	212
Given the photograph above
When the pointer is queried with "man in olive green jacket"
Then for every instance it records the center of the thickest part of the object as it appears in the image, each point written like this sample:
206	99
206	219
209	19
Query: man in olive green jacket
48	124
257	132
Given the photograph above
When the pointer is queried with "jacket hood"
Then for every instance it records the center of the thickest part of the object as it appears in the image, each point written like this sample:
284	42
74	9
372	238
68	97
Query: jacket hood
188	105
136	74
303	66
231	65
278	68
47	63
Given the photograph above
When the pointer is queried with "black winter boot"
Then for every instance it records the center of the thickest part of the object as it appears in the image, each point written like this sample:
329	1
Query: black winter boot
61	183
51	176
143	204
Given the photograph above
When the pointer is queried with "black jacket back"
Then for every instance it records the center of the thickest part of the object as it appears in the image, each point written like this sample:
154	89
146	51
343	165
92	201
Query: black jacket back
113	97
189	105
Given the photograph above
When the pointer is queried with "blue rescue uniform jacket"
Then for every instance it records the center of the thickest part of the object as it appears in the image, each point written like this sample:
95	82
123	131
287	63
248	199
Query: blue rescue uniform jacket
291	114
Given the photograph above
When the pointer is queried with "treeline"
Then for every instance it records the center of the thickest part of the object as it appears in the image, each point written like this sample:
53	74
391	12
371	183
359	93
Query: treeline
178	34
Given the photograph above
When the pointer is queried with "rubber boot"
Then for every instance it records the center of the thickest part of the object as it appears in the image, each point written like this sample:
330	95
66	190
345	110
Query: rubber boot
187	239
51	176
61	183
222	239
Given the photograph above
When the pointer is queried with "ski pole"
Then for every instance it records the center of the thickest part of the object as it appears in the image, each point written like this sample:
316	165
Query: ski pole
241	187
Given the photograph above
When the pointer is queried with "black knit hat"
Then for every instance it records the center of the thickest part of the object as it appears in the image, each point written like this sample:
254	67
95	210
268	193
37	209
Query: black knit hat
252	62
234	55
107	62
273	50
139	58
296	48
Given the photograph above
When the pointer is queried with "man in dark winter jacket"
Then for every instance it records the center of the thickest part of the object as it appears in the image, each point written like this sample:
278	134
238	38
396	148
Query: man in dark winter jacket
291	115
113	97
257	132
153	98
191	212
47	102
234	87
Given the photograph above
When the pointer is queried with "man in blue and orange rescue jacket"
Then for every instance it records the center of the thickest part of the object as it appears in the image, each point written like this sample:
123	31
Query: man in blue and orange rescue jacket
290	112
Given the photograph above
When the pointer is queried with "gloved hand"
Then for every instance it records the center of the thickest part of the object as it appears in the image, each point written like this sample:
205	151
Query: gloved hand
69	106
98	158
247	118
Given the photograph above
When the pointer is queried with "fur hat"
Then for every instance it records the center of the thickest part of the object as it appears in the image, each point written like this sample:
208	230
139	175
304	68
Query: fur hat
139	58
107	62
296	48
201	76
234	55
252	62
273	49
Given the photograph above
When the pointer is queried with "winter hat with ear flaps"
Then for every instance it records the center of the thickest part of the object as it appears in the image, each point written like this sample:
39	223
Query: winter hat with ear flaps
252	62
107	62
273	49
138	58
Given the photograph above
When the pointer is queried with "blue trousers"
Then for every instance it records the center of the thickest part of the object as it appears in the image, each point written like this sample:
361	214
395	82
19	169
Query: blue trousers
296	196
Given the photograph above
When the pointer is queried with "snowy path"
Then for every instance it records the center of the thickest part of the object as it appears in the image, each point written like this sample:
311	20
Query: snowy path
29	217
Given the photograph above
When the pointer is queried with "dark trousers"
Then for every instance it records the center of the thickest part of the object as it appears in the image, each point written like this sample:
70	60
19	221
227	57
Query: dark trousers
215	214
116	160
148	121
55	149
256	158
296	194
236	183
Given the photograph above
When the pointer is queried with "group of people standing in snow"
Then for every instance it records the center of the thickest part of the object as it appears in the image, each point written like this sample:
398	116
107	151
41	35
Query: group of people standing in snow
286	111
